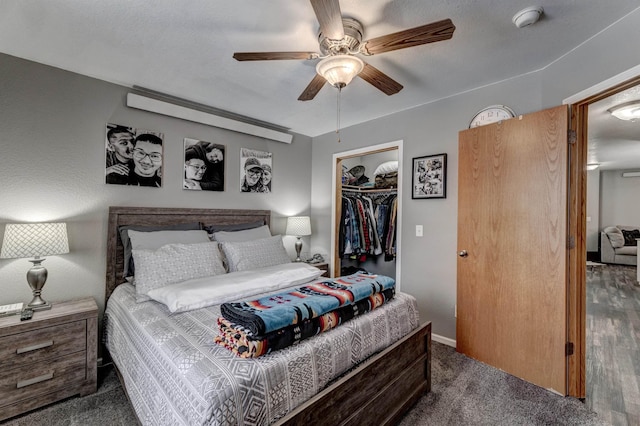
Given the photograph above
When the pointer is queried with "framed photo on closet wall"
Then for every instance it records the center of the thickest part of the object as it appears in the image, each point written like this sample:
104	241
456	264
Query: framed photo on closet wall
429	177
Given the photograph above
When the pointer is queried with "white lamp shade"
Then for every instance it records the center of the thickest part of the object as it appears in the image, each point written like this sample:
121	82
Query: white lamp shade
298	225
339	70
34	239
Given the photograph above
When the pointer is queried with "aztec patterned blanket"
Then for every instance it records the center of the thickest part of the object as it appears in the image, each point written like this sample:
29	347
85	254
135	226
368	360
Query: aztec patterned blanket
280	310
245	344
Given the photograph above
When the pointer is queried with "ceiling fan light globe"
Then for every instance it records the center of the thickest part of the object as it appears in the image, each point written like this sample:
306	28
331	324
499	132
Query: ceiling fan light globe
339	70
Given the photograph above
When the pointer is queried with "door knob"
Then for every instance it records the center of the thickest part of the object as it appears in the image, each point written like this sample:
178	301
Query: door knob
463	253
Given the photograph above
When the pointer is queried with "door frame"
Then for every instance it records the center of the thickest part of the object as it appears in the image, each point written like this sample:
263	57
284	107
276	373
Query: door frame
336	199
577	288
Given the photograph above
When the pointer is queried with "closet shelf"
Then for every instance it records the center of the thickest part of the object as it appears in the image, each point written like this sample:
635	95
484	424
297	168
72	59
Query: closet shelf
365	189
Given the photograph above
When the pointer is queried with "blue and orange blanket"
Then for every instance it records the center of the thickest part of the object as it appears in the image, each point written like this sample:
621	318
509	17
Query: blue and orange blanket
245	344
280	310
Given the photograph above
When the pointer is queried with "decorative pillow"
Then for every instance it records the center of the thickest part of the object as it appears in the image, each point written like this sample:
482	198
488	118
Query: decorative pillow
388	167
615	236
247	255
156	239
126	242
174	263
630	237
234	227
244	235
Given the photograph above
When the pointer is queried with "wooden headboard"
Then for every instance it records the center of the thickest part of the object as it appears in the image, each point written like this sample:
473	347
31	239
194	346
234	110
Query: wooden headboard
119	216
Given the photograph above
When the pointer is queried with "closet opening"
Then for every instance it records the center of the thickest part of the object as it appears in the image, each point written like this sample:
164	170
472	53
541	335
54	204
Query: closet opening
367	185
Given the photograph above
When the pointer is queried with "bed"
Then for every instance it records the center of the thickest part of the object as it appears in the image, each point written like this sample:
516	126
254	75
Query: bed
168	360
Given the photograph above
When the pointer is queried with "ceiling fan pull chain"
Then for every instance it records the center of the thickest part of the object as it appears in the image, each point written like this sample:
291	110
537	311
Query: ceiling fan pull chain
338	117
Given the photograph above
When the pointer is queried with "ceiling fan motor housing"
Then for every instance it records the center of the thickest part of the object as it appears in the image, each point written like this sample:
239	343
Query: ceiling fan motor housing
350	44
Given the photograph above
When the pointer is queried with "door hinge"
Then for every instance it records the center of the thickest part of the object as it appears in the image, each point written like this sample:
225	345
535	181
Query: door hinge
572	137
571	242
568	348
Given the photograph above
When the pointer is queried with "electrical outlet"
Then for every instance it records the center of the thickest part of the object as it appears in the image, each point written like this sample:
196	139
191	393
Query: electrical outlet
419	231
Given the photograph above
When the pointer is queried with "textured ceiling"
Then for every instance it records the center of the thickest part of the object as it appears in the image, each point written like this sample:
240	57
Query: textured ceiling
614	144
185	49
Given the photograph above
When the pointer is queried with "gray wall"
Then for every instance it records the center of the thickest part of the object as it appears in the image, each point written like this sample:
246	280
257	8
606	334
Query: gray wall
428	269
593	210
52	161
619	199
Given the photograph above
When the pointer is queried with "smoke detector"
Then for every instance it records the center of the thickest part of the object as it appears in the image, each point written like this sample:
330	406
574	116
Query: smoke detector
527	16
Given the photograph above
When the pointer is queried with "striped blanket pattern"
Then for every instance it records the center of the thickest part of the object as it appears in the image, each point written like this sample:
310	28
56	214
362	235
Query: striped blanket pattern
277	311
245	344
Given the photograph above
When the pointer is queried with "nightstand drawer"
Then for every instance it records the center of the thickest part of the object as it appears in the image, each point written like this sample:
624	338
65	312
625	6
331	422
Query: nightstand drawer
41	378
41	344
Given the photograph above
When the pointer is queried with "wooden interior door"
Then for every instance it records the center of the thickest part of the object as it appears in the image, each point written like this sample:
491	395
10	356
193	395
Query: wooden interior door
512	227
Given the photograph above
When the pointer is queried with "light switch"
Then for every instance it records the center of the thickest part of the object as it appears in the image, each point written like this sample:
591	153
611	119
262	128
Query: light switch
588	218
418	230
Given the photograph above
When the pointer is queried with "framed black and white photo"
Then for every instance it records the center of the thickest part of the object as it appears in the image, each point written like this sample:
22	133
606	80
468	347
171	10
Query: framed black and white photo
255	170
203	165
429	177
133	156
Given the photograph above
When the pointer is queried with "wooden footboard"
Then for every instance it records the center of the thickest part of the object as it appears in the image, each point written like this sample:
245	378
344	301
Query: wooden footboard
383	387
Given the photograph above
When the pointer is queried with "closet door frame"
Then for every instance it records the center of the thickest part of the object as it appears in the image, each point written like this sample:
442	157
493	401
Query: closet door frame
336	204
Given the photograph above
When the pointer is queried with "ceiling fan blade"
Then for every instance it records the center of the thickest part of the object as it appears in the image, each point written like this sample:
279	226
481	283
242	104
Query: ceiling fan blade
330	18
313	88
272	56
435	31
380	80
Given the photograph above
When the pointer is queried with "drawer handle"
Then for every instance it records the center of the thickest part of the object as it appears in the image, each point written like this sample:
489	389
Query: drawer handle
35	380
35	347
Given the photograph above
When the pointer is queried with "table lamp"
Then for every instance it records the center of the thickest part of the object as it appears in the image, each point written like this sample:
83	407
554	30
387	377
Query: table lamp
299	226
35	240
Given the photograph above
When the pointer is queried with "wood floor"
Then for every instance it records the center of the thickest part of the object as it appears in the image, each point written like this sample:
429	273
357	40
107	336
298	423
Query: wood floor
613	343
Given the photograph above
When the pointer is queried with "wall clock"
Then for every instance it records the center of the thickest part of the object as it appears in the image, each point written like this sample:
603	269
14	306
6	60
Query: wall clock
491	114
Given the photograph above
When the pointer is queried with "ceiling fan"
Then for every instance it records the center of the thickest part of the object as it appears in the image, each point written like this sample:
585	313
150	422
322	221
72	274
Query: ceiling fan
340	42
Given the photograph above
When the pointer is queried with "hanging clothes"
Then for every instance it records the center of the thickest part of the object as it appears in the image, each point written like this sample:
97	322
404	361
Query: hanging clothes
367	225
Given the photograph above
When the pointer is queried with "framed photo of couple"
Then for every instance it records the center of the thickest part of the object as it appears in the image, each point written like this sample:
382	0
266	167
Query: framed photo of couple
429	177
255	170
133	156
203	165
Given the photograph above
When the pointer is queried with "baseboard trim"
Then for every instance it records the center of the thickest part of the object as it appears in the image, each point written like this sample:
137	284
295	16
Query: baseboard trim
443	340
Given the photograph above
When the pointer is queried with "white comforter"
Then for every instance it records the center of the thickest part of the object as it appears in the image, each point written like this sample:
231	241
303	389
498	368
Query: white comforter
175	374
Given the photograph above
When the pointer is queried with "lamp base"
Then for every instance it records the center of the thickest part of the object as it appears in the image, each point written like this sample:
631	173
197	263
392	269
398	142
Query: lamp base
298	249
36	277
39	307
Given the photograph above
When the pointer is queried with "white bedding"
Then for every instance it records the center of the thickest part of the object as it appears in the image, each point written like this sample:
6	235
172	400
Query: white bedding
176	375
215	290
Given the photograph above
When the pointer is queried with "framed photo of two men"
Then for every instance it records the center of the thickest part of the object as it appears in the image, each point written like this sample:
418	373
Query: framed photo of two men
429	177
133	156
203	165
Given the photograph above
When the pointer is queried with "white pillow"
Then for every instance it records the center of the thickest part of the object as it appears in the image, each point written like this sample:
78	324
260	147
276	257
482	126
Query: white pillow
247	255
244	235
174	263
209	291
156	239
388	167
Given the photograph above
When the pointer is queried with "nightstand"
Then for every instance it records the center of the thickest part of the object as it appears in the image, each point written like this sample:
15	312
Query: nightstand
323	266
49	357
